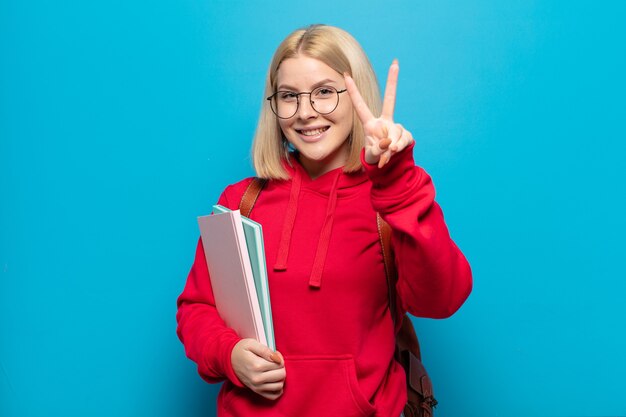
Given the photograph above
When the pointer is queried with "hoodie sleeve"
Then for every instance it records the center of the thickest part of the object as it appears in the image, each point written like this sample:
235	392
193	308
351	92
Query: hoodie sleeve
434	278
207	340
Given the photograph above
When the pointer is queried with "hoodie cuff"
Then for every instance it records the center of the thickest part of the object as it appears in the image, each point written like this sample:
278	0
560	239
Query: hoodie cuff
399	184
386	178
226	346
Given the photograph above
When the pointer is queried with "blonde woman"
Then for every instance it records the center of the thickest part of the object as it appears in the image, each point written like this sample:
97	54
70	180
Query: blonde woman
333	156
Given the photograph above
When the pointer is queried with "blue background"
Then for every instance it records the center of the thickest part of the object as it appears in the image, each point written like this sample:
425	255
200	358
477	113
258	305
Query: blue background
120	122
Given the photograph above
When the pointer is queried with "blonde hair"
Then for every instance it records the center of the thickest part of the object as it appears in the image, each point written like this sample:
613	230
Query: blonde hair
340	51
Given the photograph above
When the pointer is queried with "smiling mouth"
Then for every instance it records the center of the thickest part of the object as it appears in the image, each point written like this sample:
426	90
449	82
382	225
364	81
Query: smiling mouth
312	132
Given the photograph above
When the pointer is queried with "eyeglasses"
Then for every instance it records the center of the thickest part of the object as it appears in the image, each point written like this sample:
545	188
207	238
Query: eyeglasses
324	100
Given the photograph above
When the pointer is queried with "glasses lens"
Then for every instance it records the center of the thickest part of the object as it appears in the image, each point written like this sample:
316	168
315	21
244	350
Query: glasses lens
284	104
324	99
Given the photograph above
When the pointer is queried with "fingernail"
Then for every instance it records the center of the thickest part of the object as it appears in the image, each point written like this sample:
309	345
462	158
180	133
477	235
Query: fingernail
384	144
384	158
274	357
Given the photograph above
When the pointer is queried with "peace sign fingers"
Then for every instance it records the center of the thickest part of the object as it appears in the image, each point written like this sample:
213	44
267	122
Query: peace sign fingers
389	101
383	137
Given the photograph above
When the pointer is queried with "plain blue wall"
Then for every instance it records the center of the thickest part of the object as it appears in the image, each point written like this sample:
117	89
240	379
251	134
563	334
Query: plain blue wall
120	122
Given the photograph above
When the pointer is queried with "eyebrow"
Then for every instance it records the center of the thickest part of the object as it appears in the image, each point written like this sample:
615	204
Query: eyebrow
313	87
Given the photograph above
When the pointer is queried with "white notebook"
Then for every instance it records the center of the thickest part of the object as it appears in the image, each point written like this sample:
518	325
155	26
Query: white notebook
231	274
256	249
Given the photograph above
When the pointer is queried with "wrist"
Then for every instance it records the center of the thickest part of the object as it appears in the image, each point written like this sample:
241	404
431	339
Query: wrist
370	158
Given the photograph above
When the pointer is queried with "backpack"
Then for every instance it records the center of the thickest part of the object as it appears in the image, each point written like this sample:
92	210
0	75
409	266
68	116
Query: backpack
420	401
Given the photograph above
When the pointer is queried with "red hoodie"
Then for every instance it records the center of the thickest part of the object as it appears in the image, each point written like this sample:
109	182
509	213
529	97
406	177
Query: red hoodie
329	292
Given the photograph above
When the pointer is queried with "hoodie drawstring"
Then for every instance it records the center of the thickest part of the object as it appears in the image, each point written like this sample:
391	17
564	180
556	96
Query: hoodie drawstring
290	217
315	280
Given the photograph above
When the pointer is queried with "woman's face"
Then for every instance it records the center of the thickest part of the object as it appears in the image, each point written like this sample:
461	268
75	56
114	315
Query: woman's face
321	139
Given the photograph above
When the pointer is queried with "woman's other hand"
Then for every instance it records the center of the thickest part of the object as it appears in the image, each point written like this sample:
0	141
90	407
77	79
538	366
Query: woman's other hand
383	137
259	368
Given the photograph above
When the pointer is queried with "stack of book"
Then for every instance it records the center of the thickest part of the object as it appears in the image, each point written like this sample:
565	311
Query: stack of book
235	255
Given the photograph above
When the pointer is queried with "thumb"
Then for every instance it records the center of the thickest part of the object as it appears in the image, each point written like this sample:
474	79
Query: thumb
277	358
261	350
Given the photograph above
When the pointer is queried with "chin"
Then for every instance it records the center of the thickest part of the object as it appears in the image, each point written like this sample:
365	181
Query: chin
314	156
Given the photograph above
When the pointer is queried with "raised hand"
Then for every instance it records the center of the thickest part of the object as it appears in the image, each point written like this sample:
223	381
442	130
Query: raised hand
258	368
383	137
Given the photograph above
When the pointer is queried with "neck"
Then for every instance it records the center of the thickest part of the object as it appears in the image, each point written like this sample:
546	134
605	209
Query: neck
317	167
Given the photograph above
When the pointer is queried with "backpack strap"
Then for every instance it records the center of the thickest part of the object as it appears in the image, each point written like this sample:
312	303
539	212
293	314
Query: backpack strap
250	195
405	334
384	234
420	401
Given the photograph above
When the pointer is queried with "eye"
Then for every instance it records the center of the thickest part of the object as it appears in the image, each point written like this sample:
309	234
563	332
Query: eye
324	92
287	95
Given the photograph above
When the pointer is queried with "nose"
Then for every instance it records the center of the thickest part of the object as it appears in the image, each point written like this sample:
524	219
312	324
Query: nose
305	109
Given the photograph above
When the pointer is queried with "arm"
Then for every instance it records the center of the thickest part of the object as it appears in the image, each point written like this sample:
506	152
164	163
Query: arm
207	339
434	278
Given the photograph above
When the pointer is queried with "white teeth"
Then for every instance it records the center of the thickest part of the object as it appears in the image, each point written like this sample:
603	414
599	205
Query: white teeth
313	132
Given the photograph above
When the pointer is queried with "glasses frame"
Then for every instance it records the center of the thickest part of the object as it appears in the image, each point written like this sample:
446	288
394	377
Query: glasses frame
310	100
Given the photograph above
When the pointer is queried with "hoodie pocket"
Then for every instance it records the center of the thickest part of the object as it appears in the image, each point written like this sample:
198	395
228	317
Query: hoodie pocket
314	386
322	386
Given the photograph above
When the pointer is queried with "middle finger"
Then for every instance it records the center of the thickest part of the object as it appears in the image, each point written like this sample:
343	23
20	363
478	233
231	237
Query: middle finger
389	101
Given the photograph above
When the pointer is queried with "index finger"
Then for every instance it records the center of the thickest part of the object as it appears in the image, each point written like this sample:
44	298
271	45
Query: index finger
389	101
364	113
